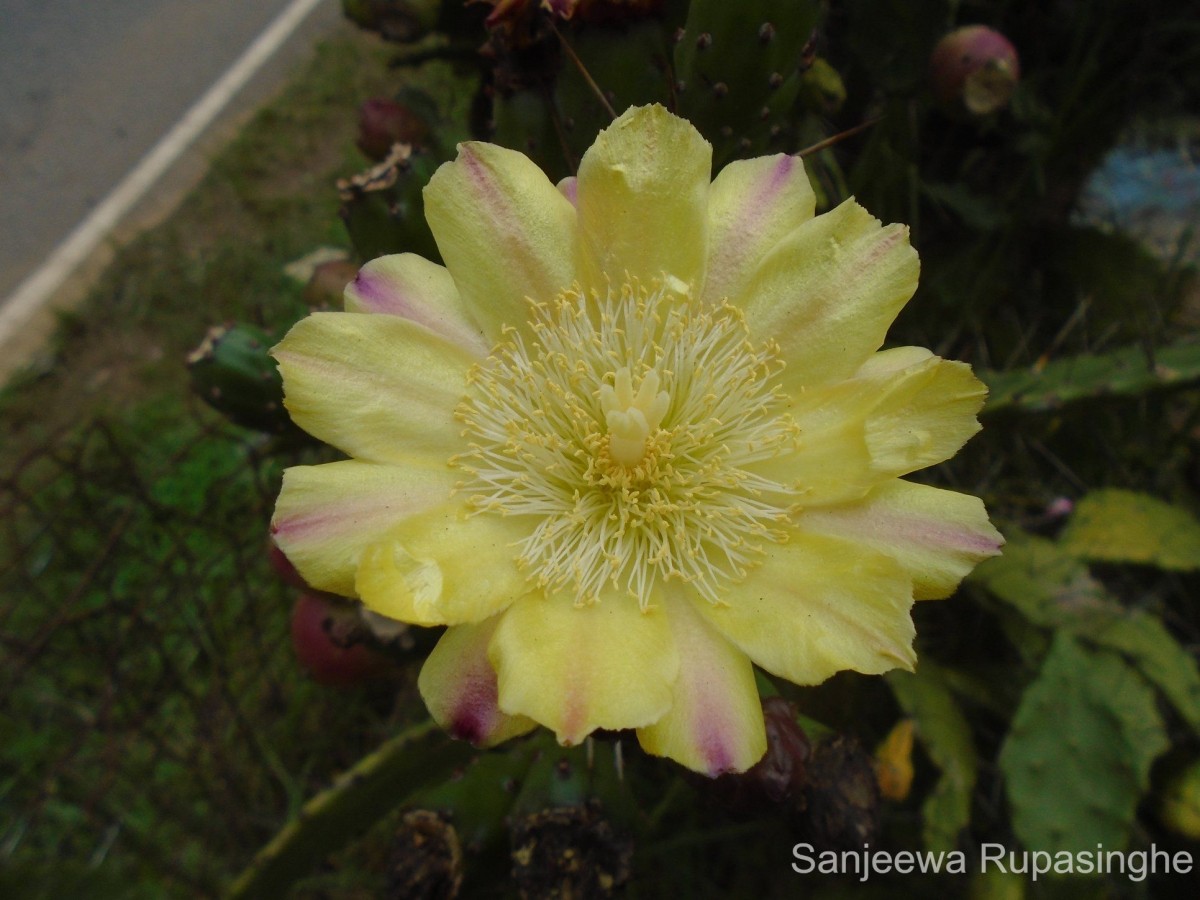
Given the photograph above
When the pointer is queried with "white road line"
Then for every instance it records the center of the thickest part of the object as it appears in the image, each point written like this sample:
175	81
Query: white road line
36	290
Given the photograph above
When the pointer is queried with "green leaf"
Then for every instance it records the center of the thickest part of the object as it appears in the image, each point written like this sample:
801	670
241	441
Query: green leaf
946	736
1122	373
1128	527
1078	755
377	784
1053	589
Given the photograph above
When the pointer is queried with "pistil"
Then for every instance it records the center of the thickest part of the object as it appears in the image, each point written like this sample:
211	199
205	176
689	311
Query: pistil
632	418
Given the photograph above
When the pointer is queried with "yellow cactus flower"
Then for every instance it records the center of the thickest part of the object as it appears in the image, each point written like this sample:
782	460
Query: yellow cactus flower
634	437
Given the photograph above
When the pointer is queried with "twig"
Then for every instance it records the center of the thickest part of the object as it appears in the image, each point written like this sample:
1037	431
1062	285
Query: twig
840	136
583	71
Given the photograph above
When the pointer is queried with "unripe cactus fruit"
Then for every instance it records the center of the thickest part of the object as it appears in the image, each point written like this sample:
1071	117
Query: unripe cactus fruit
233	372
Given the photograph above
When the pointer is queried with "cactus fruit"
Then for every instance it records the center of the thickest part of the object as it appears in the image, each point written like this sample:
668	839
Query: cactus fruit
569	852
841	796
974	69
383	122
331	643
564	841
232	372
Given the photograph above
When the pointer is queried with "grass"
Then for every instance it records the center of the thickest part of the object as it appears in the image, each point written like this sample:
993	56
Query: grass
155	729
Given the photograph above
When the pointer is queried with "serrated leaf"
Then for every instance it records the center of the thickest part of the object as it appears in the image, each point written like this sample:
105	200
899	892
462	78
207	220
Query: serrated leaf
1078	754
1122	373
1128	527
1053	589
946	736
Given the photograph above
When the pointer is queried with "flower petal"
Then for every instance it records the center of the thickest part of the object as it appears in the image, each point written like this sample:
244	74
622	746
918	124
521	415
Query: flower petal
408	285
818	605
715	724
576	669
903	410
505	232
938	536
458	685
924	415
326	515
752	206
829	291
381	388
569	188
642	194
444	567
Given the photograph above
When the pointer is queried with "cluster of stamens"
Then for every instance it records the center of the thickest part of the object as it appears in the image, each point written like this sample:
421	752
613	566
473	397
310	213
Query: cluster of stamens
627	427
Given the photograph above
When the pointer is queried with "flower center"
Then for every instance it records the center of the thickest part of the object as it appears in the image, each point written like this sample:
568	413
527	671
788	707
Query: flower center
628	427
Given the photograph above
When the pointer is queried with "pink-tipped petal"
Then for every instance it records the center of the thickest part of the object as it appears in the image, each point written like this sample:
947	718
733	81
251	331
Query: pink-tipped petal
938	536
458	685
506	233
752	206
715	723
828	292
408	285
569	188
328	515
379	388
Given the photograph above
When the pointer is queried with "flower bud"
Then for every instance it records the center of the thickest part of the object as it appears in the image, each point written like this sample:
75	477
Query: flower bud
974	68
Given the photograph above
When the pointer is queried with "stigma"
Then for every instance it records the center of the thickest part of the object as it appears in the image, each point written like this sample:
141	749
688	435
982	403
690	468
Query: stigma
632	418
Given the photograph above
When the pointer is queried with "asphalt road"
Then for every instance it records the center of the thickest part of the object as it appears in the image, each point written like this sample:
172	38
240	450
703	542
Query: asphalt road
87	87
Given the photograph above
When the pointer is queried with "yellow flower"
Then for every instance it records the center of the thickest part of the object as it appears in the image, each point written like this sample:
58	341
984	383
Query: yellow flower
634	436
